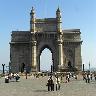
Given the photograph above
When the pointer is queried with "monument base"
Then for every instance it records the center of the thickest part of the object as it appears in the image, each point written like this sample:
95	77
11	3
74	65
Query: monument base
67	69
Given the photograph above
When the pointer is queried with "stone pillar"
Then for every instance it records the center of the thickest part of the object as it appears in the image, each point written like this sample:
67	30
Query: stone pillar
59	39
60	51
34	60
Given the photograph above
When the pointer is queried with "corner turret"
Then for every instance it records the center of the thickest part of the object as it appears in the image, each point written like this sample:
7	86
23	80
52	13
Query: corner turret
58	18
32	20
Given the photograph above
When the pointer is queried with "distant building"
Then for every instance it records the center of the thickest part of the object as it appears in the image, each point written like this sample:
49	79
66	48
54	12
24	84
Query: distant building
27	46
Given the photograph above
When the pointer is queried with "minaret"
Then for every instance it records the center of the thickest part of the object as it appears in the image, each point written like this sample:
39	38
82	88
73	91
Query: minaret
58	18
32	20
33	40
59	39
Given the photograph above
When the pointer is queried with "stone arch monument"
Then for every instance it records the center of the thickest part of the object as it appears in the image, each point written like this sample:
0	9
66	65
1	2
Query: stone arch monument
27	46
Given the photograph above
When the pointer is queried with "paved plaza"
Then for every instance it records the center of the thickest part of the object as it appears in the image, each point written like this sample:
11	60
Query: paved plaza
37	87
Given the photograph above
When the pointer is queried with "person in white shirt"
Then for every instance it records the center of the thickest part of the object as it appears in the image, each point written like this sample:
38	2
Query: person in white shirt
57	83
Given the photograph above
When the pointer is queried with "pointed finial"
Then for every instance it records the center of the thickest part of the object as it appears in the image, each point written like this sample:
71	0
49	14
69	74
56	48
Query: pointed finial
32	8
58	10
32	11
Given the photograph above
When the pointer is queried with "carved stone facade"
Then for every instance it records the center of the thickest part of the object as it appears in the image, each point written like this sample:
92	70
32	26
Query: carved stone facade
27	46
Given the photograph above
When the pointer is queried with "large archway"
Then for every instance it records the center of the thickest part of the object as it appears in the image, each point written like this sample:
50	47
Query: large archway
27	46
46	60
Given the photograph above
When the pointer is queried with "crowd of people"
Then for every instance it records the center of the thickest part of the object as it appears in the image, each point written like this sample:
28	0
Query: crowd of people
89	76
11	76
54	80
51	84
55	84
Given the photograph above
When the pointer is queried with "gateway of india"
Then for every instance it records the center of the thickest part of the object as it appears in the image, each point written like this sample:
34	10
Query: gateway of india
27	46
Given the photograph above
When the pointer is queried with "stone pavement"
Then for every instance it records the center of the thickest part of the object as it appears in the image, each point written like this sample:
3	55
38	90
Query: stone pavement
37	87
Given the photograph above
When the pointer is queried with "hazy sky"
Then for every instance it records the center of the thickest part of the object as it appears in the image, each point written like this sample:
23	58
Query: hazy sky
15	15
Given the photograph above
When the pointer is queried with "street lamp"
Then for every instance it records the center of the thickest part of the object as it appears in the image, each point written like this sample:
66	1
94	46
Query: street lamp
3	68
83	68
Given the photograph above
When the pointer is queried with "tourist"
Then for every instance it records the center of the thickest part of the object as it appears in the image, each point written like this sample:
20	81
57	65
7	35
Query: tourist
75	76
91	76
17	77
88	78
57	83
84	76
50	84
7	78
68	77
95	76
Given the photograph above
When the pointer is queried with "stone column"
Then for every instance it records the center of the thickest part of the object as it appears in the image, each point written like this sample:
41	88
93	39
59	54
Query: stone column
34	60
60	52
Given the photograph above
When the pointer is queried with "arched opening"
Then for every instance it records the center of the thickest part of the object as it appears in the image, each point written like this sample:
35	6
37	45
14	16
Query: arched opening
69	64
22	67
46	60
70	67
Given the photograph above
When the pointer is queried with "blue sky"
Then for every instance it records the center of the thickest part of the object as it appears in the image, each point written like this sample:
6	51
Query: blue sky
15	15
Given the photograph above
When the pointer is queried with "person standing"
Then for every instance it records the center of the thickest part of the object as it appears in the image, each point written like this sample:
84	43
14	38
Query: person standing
57	83
88	78
94	76
91	75
7	78
50	84
68	77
